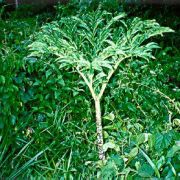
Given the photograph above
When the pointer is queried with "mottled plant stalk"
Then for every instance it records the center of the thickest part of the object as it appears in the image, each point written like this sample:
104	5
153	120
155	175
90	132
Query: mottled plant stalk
17	4
97	98
99	129
100	141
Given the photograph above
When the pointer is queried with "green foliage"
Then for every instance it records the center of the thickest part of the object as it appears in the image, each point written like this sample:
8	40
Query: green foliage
77	43
95	55
14	40
48	130
114	164
82	6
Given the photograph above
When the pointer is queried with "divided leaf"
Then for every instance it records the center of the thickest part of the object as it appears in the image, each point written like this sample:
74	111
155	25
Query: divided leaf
95	43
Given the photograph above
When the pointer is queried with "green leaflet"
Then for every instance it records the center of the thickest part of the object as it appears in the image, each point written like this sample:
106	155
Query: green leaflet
163	141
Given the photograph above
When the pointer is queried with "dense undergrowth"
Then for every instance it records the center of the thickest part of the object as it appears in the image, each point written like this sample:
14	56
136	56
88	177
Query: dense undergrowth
47	128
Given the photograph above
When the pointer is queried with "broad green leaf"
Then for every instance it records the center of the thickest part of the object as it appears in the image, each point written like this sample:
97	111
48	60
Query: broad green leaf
151	163
110	116
146	171
109	171
119	162
133	153
161	162
142	138
176	122
2	79
108	145
173	151
163	141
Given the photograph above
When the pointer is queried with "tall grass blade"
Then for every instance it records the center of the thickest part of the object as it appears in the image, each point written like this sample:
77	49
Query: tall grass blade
151	163
16	173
